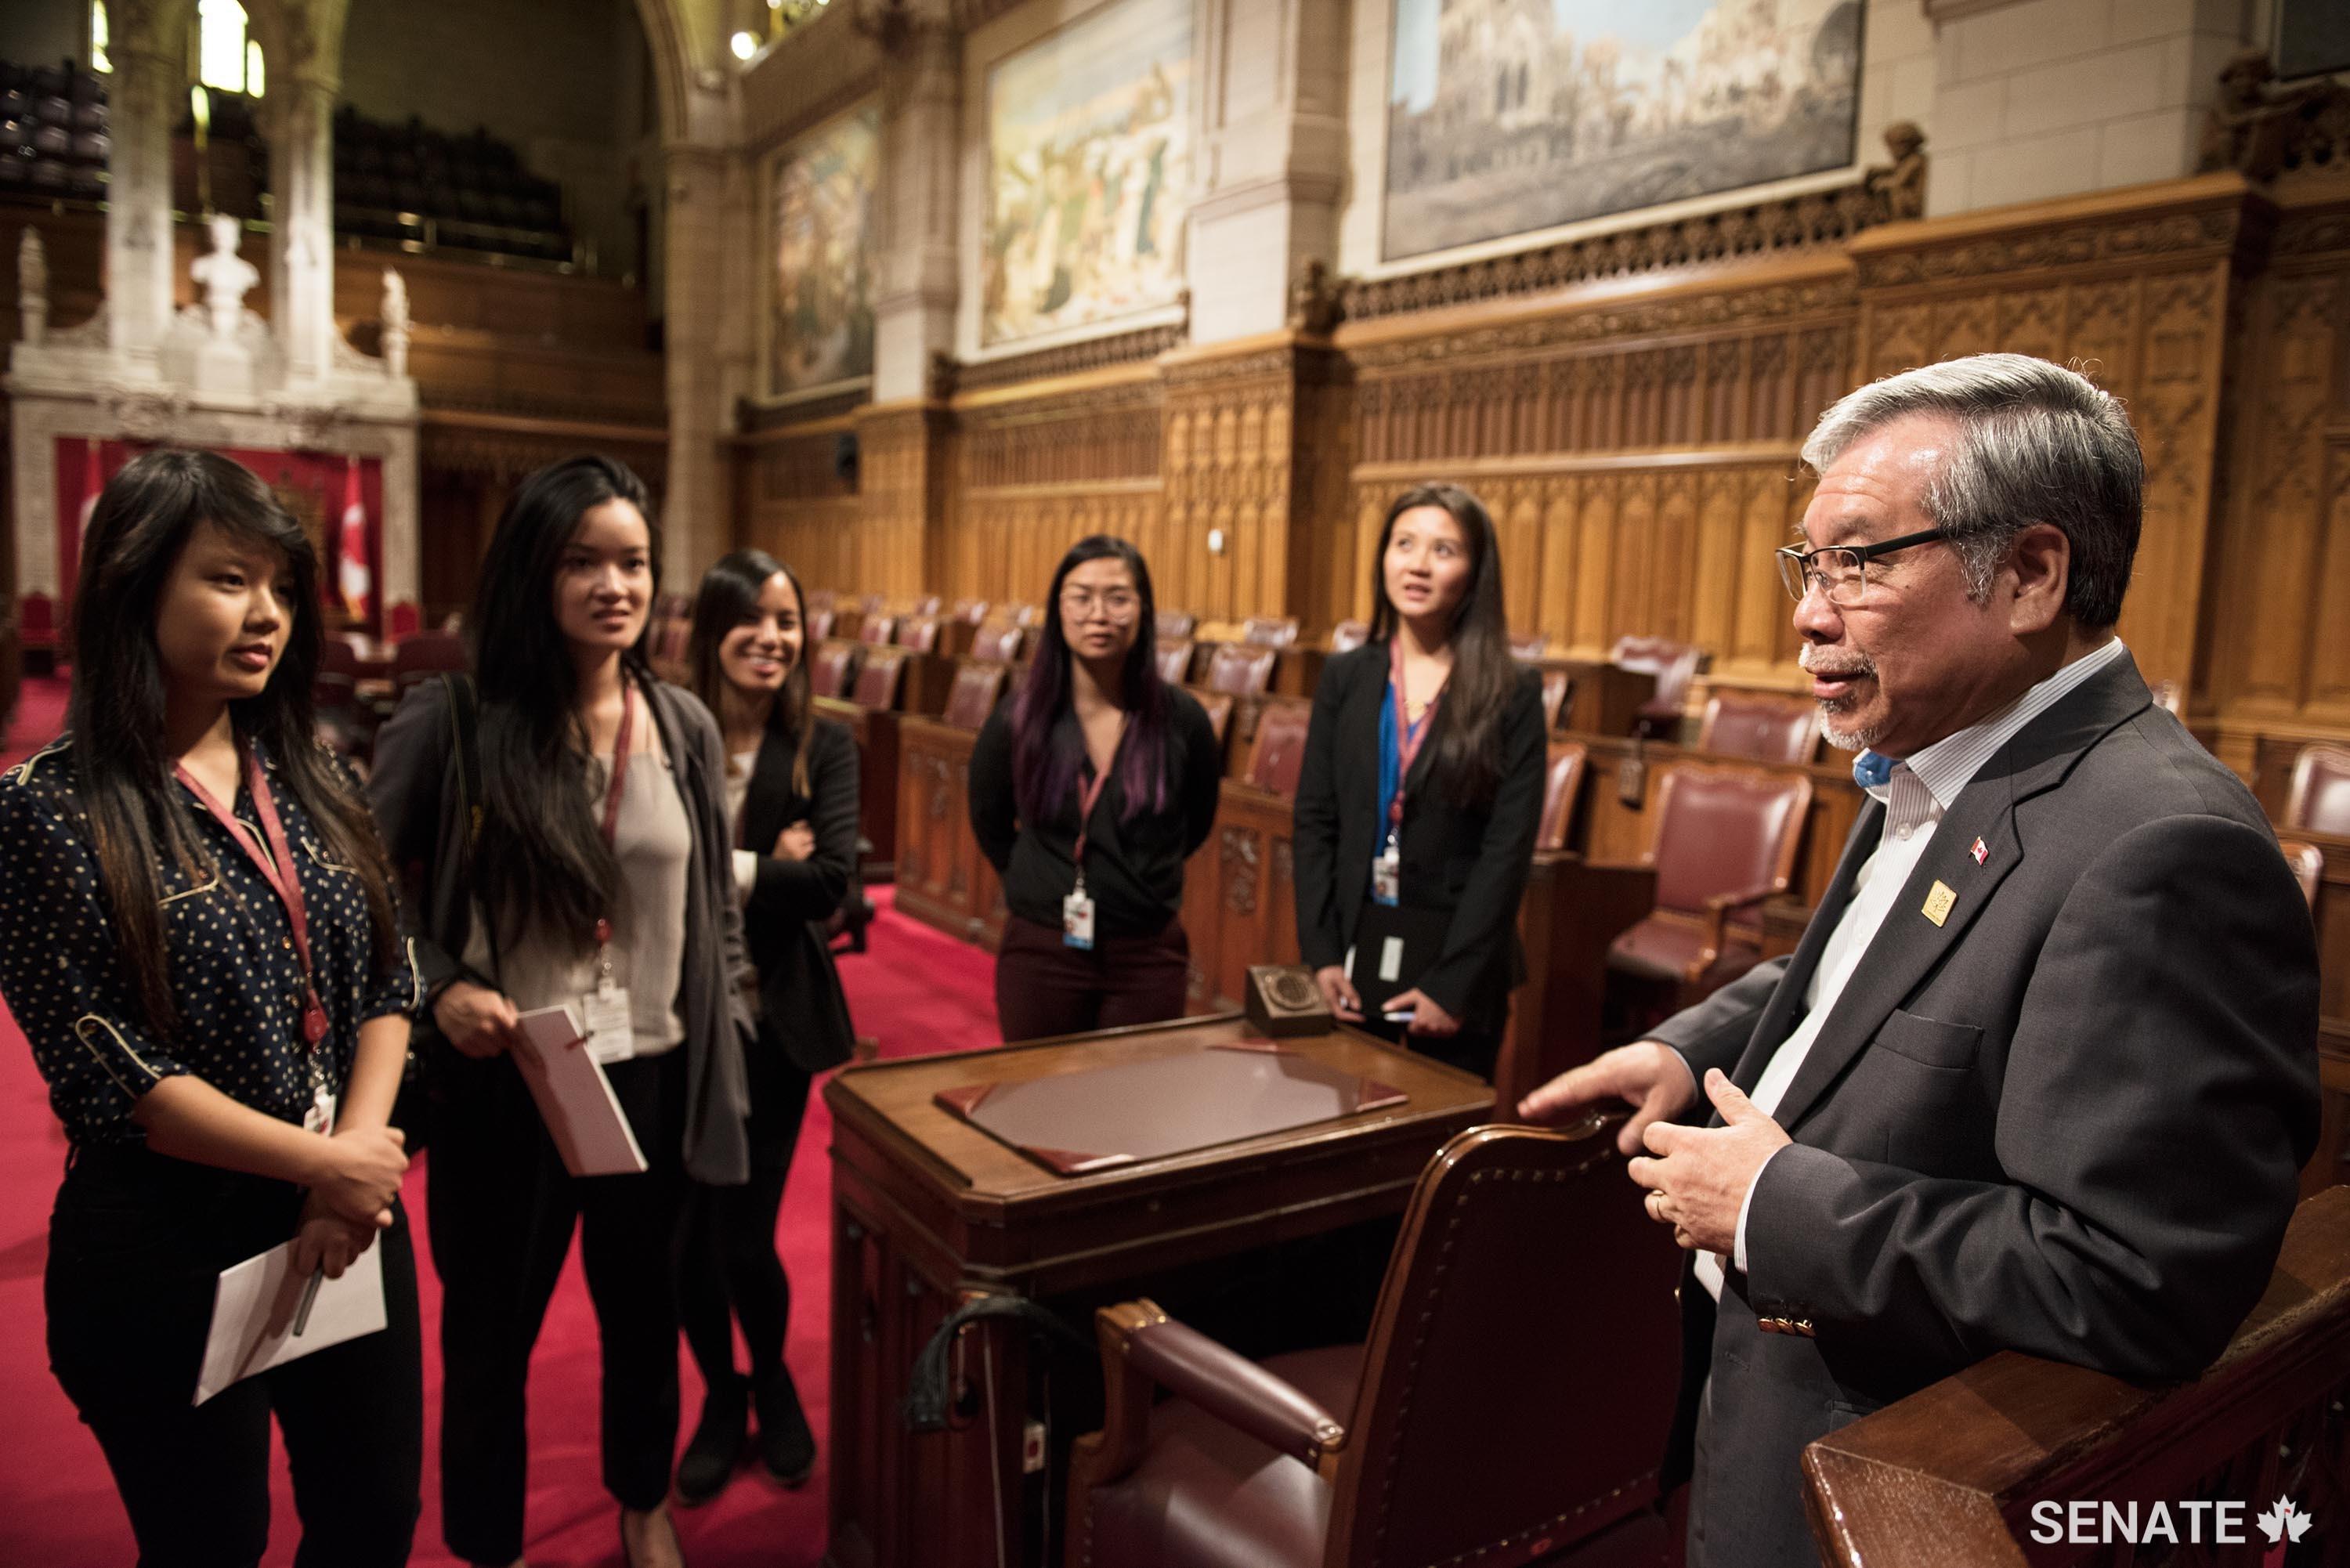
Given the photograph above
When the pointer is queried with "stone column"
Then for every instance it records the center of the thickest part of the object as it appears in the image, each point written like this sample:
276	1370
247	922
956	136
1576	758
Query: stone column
301	42
143	99
918	272
1270	80
695	513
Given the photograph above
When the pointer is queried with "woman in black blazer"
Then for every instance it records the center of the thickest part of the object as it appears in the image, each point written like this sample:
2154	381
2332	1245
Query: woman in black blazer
1408	896
791	789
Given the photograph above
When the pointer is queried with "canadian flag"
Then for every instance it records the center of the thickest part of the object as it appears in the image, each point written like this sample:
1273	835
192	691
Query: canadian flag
352	574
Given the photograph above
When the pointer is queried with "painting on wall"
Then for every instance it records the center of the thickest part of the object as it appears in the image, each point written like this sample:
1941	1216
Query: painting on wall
1089	161
821	199
1506	116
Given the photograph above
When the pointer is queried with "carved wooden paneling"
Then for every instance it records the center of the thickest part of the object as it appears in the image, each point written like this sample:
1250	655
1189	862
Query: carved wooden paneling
1035	475
798	509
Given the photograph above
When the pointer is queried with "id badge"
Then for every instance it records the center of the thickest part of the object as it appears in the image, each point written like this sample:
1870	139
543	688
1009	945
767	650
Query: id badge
1077	921
1386	874
320	1118
611	1028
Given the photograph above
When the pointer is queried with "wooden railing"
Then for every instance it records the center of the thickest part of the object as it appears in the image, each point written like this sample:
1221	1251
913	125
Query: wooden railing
1982	1469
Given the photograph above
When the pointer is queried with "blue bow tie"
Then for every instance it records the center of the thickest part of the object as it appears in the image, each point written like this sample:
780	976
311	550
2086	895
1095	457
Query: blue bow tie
1870	771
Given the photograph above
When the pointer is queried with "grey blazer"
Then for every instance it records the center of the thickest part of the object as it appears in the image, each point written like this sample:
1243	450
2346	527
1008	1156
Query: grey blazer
416	792
2067	1121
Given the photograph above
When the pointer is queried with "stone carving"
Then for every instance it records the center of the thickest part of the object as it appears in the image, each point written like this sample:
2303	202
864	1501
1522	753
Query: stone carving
2261	129
32	287
393	314
225	276
1899	186
1313	304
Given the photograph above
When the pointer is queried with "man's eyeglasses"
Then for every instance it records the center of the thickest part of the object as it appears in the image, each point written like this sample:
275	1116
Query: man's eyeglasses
1840	571
1119	604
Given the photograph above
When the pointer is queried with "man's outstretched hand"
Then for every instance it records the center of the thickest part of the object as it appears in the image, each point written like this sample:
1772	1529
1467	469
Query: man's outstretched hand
1649	1076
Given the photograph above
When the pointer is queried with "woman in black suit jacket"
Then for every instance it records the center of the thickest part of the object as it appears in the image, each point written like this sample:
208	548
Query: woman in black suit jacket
1419	795
791	791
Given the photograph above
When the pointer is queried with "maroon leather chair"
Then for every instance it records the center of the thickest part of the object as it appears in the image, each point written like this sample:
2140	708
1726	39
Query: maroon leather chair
1269	631
1674	664
1562	782
1174	656
1280	749
1218	706
1557	686
999	642
819	621
832	670
1027	617
1349	635
1173	623
927	604
877	629
2320	797
878	683
919	632
873	604
1529	645
1726	840
977	688
1241	670
424	656
1509	1406
972	612
1761	726
2308	863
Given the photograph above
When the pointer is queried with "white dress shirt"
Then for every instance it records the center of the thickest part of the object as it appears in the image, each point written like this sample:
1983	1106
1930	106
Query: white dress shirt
1920	791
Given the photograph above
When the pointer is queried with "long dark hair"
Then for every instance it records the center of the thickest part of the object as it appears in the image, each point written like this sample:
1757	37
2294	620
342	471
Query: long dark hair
122	770
1477	693
1044	776
539	859
728	596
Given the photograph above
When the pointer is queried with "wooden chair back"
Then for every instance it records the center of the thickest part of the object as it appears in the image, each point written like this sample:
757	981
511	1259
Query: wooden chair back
877	630
1269	631
978	687
1349	635
1761	726
1280	749
1557	686
1674	664
1218	706
999	642
1240	669
1562	783
1528	646
919	632
1724	829
878	683
2308	864
832	670
2319	799
819	622
1169	623
1174	656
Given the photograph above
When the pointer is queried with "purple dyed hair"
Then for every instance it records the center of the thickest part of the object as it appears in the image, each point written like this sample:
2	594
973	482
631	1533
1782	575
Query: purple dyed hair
1043	776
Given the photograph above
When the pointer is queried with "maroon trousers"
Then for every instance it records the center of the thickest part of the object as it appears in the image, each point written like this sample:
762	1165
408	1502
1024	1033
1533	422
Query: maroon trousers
1044	986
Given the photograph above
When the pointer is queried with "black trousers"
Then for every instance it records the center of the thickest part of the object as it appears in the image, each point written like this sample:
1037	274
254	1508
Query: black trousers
1044	987
729	1272
137	1241
502	1210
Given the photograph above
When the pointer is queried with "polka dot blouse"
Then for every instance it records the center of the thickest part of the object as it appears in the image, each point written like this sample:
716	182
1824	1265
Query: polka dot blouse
234	972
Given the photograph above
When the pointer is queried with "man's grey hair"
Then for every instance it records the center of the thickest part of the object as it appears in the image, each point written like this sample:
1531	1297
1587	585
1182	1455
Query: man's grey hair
2037	444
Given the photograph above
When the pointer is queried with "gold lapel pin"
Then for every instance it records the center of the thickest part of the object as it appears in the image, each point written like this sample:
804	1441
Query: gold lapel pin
1938	902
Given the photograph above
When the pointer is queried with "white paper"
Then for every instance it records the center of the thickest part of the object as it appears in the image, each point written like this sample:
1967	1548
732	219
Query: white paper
575	1098
240	1344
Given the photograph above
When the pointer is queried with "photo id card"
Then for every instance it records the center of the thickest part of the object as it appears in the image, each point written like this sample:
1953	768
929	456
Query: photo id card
1386	874
610	1027
1077	921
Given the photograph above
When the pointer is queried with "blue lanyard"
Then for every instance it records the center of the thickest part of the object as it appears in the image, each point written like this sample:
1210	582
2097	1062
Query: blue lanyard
1391	761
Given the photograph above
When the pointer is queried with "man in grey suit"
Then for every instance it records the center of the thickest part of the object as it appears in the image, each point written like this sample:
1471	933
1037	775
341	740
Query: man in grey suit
2043	1071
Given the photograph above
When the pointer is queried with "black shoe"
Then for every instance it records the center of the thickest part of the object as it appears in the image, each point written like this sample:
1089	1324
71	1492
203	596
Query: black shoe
718	1441
786	1447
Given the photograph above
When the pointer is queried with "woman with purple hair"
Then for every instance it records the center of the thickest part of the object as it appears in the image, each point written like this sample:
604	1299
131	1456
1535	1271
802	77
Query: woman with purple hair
1089	788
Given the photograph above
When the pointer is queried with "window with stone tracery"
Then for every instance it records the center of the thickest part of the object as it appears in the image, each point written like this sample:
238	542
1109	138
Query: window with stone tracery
226	57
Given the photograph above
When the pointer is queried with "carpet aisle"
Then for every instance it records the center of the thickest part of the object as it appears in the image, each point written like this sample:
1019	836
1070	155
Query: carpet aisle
916	990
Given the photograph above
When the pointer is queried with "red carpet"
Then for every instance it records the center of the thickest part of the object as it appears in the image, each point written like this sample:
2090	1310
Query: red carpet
916	990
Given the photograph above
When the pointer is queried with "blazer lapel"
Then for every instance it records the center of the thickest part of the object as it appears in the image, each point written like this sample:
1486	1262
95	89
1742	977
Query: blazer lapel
1911	943
770	791
1359	756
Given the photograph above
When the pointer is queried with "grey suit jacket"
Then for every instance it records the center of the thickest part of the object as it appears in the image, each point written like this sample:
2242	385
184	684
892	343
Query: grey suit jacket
2068	1120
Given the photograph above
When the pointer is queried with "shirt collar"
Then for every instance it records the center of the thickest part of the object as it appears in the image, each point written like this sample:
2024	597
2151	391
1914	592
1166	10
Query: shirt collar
1947	766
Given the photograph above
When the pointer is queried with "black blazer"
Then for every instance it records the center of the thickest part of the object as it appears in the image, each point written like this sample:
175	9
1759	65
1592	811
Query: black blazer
804	1014
1469	863
2067	1119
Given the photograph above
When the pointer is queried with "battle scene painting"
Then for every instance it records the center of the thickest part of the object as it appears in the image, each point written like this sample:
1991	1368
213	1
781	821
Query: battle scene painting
820	191
1508	116
1089	163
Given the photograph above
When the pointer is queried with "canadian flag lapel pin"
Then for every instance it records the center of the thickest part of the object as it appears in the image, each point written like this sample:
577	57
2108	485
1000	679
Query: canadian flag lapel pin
1982	852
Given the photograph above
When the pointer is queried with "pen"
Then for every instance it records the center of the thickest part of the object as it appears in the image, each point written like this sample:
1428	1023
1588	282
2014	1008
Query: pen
309	1300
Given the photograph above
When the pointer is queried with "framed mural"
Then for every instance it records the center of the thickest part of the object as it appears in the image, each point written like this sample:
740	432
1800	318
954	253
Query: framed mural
1507	116
1088	164
821	190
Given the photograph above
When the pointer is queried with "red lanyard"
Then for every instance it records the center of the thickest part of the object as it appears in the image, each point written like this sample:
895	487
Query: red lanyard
277	868
612	826
1408	739
1090	796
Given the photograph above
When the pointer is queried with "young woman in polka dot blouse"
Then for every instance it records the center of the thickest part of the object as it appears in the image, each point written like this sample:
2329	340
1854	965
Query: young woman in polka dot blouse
198	938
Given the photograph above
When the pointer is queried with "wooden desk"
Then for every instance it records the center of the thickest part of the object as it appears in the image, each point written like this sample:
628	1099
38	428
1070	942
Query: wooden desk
876	732
943	880
1605	699
929	1210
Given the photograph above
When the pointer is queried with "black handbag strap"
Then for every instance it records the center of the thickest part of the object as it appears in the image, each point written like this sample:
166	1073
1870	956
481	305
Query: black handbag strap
465	737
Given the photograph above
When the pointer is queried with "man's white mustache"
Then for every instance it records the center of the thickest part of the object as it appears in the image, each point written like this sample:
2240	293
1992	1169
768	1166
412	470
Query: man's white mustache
1865	666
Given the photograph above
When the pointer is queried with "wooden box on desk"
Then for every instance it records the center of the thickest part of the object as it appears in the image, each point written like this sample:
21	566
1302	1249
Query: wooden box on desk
929	1210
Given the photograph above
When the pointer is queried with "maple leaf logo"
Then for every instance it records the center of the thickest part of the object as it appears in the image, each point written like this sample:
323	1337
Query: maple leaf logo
2283	1523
